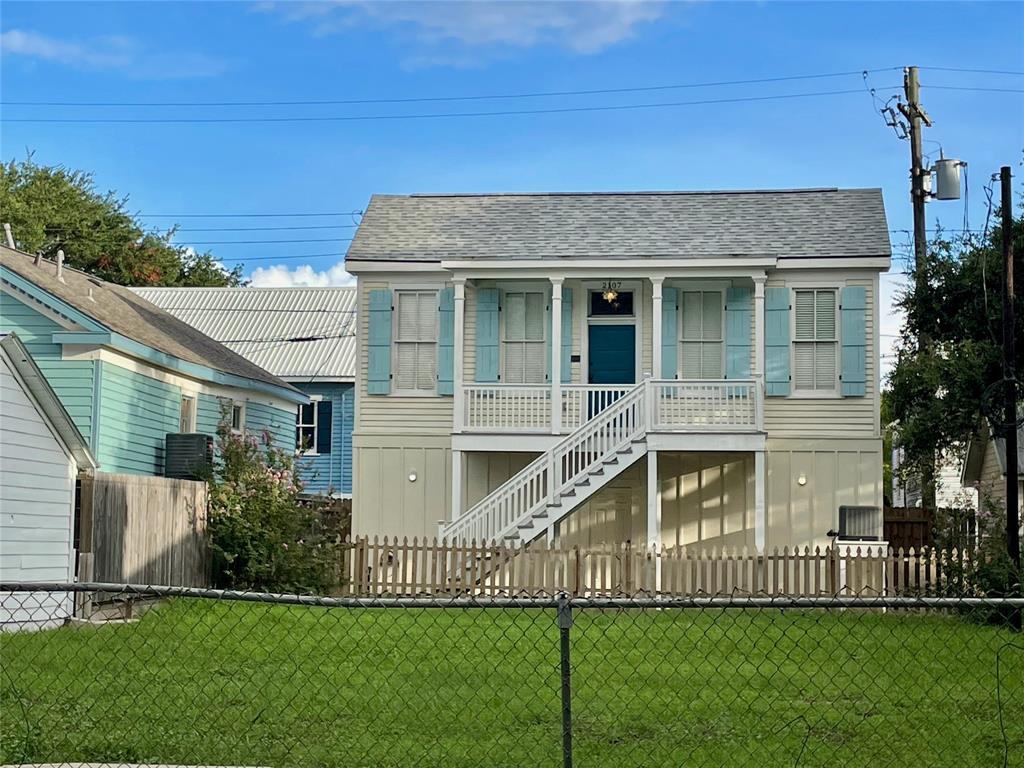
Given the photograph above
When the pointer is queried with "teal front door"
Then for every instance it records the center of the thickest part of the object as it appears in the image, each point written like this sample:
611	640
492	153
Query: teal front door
612	354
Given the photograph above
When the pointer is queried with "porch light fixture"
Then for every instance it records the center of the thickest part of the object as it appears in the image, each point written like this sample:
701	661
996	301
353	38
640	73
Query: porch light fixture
609	295
802	479
412	476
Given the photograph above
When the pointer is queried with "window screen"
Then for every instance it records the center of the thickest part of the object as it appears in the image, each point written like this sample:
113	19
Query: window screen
815	343
524	345
701	341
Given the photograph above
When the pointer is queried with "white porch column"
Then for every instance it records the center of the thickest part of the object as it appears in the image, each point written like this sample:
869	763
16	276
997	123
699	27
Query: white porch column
760	511
656	327
556	355
759	325
654	515
459	396
456	485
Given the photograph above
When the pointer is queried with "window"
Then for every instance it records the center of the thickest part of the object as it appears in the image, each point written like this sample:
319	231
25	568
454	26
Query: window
611	302
815	342
524	349
305	428
187	420
700	342
237	417
416	341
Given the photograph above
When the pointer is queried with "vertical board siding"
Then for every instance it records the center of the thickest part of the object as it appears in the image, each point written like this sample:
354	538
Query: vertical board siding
332	473
71	380
136	413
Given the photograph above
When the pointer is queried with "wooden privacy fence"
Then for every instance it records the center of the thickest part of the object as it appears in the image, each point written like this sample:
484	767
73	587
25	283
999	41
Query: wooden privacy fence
143	530
408	568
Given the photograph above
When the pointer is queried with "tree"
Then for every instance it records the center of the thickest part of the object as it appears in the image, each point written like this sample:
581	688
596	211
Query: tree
938	396
52	207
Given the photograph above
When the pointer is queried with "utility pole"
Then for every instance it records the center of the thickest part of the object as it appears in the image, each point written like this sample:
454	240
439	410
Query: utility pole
918	118
1010	415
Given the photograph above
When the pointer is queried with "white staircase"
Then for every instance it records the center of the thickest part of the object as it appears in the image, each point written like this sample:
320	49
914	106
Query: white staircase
530	503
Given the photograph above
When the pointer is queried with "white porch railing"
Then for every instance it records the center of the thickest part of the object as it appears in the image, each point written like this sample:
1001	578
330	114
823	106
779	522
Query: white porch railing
734	404
507	408
582	402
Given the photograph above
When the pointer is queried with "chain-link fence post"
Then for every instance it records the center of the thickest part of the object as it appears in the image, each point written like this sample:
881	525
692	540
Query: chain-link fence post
564	625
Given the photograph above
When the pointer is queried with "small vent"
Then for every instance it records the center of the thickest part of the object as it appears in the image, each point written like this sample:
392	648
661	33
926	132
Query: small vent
188	456
860	523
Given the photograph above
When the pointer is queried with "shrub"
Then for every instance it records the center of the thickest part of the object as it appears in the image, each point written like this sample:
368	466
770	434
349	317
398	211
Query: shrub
262	537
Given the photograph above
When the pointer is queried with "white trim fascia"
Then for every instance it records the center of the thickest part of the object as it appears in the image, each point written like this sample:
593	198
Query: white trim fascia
683	442
186	385
603	269
315	379
368	268
873	263
535	442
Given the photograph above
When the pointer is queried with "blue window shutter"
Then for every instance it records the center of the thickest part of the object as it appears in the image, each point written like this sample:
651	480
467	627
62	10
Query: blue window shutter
738	312
669	333
776	342
324	416
853	311
378	381
487	334
566	335
446	342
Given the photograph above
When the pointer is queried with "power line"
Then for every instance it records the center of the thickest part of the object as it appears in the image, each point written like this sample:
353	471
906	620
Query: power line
974	71
264	242
240	215
426	116
435	99
972	88
266	229
284	258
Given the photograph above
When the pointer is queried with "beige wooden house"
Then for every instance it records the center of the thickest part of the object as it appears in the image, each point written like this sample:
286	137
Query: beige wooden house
692	369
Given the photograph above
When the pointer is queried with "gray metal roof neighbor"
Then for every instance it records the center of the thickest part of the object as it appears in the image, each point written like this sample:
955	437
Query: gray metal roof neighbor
788	224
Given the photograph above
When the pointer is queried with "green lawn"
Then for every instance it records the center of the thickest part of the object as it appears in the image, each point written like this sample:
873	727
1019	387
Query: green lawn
244	684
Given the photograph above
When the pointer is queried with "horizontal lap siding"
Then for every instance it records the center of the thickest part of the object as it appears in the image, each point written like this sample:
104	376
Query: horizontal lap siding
833	416
278	422
332	473
71	380
388	414
208	414
136	413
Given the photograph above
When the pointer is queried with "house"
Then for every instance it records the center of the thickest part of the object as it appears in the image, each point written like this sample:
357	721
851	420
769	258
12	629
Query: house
304	336
42	453
129	373
668	368
950	492
985	470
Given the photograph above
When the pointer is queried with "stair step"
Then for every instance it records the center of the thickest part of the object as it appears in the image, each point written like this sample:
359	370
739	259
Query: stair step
596	471
583	481
613	459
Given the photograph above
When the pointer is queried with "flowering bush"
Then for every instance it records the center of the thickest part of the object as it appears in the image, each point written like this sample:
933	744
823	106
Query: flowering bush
262	536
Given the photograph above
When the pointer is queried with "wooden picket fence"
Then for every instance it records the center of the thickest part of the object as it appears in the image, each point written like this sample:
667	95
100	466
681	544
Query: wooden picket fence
431	567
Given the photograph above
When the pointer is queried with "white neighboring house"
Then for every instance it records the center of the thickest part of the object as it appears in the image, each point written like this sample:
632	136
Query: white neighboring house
41	454
950	490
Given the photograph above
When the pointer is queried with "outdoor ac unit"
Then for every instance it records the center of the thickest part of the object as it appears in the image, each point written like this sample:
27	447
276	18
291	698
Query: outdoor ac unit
860	523
188	456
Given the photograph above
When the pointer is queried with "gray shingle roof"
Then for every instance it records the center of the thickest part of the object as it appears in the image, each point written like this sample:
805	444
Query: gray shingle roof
811	223
121	311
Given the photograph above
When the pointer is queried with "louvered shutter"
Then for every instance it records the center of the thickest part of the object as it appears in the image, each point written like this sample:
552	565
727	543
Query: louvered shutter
378	376
738	314
567	336
854	340
446	342
487	334
776	341
669	333
324	415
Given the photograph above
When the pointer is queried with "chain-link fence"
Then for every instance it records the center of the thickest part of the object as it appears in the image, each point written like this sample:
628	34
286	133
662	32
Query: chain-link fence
195	677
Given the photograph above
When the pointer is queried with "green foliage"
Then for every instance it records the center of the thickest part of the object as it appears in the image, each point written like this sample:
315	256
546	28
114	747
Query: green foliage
52	207
262	536
939	395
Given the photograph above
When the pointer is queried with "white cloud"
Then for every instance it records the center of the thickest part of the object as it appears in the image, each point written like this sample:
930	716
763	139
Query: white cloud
111	52
280	276
581	27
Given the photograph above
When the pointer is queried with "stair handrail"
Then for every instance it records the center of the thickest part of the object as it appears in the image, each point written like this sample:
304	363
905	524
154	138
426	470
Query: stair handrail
475	521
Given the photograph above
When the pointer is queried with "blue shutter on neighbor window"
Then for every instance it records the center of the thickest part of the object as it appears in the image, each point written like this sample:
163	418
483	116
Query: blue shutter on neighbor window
487	334
324	416
776	342
669	333
853	311
446	342
566	335
738	312
378	375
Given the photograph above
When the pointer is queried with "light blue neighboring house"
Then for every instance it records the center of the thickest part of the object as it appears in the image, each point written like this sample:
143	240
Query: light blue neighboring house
129	373
303	335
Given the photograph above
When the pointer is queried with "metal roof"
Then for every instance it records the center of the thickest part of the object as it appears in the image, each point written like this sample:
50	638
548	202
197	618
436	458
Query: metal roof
808	223
120	310
299	334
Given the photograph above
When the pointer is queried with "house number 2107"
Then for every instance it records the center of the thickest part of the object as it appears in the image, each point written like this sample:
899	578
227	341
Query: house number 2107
611	285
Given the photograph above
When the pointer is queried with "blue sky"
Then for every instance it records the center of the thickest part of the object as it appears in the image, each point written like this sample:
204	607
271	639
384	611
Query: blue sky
200	52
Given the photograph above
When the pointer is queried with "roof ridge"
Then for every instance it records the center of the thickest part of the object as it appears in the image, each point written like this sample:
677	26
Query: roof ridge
637	193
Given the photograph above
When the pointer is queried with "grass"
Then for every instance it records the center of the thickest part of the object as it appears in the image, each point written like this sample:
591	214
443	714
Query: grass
244	684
